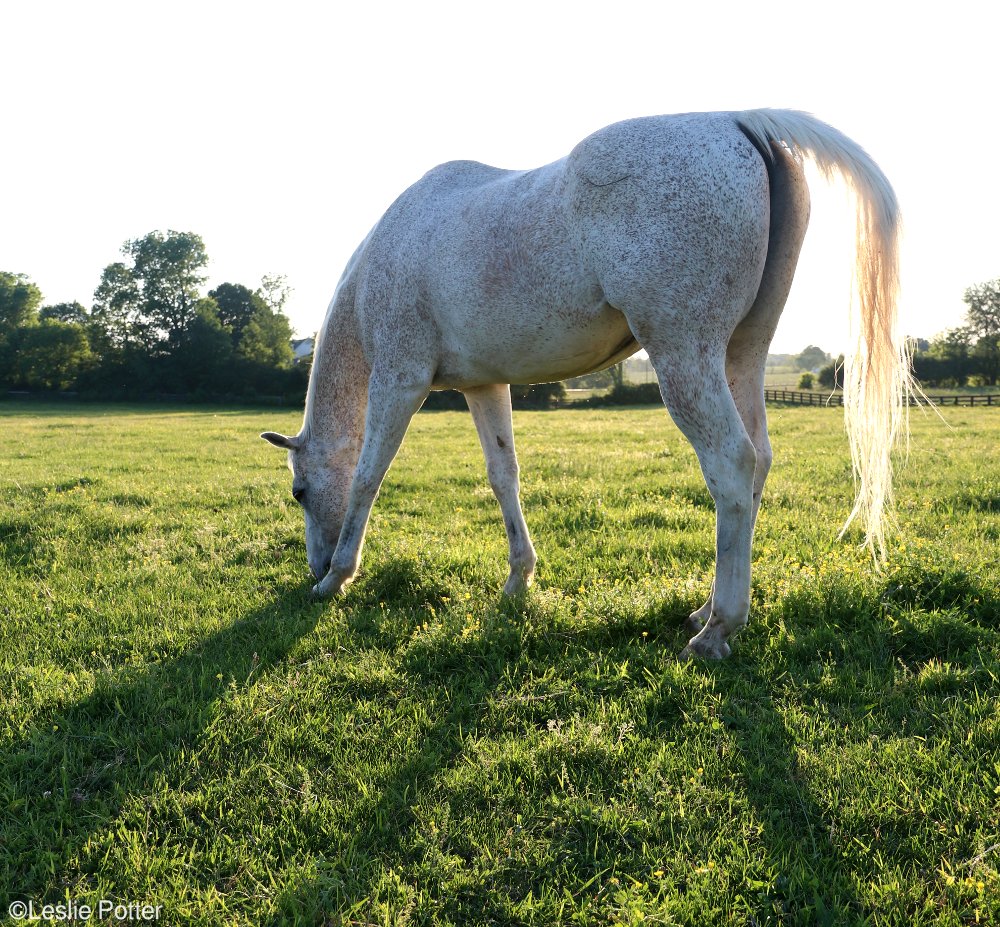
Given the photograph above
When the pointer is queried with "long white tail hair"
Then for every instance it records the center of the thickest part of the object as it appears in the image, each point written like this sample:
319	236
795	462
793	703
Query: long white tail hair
877	378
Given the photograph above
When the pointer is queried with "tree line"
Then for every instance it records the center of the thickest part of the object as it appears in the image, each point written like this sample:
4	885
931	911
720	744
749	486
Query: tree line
968	355
150	331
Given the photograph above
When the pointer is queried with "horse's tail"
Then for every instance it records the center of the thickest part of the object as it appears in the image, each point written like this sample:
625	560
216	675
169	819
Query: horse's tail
877	379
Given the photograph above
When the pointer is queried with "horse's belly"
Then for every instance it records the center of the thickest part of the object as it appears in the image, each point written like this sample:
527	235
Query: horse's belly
534	347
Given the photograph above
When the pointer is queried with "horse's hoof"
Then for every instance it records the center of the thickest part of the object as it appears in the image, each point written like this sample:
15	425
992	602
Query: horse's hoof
705	650
331	585
516	587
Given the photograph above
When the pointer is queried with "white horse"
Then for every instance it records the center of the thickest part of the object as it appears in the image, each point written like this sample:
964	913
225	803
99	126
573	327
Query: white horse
677	234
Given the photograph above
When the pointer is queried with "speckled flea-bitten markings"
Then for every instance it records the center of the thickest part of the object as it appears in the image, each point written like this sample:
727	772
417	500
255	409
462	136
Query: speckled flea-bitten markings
677	234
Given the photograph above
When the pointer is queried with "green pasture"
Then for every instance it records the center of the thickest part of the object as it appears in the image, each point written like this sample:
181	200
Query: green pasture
183	725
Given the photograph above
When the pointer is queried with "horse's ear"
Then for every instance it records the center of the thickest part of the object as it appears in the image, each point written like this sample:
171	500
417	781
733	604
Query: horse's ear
291	444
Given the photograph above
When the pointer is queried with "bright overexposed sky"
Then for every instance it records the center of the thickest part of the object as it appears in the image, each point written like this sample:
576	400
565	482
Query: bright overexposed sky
280	132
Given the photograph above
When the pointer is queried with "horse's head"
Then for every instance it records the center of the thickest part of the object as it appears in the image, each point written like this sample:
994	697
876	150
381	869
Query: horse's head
320	484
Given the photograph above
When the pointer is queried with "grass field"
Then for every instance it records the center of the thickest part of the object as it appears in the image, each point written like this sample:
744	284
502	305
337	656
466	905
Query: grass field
182	725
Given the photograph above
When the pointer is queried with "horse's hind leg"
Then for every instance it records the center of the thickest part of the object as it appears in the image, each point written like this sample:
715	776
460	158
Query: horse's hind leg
746	353
746	357
490	408
695	392
393	397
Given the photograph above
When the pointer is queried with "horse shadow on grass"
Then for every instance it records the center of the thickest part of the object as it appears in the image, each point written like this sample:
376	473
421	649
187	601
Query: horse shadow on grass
812	886
68	777
808	871
126	733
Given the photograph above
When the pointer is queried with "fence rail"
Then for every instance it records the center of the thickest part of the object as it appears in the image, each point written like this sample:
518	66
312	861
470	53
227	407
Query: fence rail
799	398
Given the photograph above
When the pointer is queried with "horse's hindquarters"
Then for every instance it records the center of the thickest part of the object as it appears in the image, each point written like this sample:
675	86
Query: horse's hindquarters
677	237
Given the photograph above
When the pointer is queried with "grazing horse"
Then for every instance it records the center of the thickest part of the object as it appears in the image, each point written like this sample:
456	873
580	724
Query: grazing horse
676	234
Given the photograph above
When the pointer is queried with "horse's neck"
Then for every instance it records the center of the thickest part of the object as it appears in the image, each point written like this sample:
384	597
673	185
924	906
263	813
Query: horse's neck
338	388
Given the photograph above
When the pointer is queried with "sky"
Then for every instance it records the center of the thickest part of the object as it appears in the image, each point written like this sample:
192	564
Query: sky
280	132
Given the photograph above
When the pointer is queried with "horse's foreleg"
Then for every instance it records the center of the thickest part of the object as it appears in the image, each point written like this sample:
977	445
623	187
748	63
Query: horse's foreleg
701	404
392	401
490	408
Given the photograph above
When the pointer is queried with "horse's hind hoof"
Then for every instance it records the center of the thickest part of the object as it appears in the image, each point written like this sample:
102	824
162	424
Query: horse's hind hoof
705	650
333	584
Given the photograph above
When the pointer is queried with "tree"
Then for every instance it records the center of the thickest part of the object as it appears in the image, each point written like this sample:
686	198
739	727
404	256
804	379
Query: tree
205	350
167	270
811	358
73	312
986	355
118	312
983	319
832	375
52	354
983	315
267	339
237	306
617	372
952	344
274	291
19	299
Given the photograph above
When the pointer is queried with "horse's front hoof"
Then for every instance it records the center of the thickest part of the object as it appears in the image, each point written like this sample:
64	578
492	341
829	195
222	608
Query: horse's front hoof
517	585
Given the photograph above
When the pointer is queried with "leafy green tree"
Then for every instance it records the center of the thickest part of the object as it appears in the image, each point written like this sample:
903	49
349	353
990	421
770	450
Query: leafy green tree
267	339
982	318
983	315
19	300
74	312
617	372
832	375
52	354
168	270
811	358
947	360
237	305
205	351
986	355
118	314
599	379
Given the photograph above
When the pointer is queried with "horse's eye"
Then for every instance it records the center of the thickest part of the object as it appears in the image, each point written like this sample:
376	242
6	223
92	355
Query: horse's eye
298	492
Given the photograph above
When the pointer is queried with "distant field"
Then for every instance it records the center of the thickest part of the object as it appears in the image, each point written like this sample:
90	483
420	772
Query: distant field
787	380
183	725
